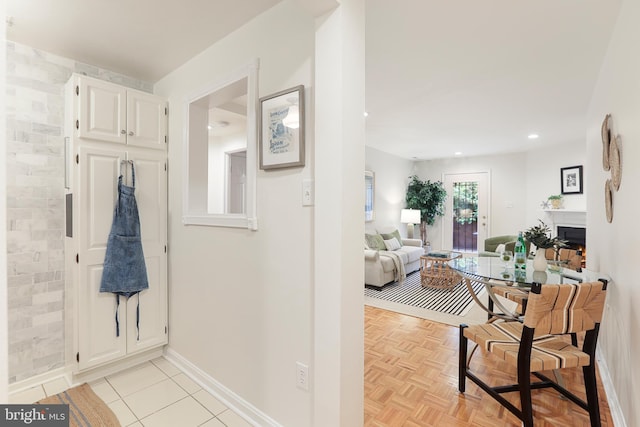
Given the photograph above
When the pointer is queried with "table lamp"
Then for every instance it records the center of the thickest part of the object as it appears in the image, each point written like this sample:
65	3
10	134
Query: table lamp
410	217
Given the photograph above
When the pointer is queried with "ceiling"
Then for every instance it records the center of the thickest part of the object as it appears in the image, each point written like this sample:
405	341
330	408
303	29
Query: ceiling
467	76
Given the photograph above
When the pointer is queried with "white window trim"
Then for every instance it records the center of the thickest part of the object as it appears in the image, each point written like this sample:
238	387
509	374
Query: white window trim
249	219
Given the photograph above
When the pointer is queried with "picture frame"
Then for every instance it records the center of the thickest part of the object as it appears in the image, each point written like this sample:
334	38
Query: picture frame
281	130
571	180
369	195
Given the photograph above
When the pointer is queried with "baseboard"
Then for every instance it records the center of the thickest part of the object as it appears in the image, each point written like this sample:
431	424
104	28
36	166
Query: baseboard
38	380
240	406
612	397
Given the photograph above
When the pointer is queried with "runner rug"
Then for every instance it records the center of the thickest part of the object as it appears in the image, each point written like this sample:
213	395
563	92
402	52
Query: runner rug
456	302
86	409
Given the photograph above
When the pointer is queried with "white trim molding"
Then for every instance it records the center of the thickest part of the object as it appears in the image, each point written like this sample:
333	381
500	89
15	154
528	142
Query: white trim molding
612	397
244	409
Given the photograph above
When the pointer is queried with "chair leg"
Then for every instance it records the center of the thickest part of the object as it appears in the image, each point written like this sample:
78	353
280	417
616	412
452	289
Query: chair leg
462	360
524	385
591	389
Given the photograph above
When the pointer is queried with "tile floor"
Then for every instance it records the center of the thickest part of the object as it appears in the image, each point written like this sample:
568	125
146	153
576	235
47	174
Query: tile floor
153	394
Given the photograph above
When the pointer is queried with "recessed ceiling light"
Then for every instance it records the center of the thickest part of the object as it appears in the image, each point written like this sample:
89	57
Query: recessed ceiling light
533	136
366	114
458	153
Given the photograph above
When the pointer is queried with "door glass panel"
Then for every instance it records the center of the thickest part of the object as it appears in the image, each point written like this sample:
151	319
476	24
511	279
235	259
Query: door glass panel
465	216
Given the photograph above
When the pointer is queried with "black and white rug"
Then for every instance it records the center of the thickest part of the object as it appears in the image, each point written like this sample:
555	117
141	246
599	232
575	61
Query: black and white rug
456	302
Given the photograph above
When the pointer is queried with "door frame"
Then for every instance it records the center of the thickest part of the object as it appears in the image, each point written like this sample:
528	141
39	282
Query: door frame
227	180
448	216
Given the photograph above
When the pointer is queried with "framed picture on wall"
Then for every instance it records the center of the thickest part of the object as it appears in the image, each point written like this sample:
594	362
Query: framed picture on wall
282	129
369	195
571	180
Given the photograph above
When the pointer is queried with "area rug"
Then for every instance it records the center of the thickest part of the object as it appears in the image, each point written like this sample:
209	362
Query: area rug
86	409
440	305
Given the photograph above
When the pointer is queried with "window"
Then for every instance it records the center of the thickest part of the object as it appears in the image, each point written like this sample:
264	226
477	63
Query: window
220	152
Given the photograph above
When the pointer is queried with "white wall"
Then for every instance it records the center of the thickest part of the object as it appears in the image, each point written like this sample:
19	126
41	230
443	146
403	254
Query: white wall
218	147
241	301
391	178
4	350
543	178
615	250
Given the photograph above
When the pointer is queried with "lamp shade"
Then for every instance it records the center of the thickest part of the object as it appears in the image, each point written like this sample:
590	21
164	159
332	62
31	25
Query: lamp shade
410	216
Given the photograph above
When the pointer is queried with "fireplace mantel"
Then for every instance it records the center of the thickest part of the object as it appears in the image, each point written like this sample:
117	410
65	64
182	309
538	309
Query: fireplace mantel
566	217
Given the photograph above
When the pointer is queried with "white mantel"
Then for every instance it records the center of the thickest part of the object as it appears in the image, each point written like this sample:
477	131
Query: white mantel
566	218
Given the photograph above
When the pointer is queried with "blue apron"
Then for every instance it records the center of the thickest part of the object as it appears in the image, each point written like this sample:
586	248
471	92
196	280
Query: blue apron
125	273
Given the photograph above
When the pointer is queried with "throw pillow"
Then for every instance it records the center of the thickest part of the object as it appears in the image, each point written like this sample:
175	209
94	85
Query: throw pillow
392	244
375	241
500	248
389	236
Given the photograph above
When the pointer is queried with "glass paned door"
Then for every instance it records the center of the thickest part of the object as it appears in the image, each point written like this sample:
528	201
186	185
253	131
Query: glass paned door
466	213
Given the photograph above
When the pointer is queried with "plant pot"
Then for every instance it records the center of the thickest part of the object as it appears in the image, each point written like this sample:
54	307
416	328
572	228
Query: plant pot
540	261
556	203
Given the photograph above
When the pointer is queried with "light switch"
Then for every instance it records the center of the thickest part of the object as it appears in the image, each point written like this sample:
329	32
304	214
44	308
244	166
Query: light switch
307	192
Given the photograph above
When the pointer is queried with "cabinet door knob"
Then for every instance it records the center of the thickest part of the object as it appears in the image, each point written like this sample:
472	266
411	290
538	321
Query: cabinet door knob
130	133
123	131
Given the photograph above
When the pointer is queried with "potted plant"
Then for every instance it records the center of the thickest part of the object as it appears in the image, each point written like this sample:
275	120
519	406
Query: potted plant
540	235
428	197
556	201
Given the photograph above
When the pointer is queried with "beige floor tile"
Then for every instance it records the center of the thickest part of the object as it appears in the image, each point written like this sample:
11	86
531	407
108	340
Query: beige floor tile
124	414
137	424
186	383
56	386
30	395
185	413
231	419
136	378
104	390
166	366
213	423
211	403
155	397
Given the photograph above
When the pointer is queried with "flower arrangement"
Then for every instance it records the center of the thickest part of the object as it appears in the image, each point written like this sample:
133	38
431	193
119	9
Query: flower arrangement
555	200
540	235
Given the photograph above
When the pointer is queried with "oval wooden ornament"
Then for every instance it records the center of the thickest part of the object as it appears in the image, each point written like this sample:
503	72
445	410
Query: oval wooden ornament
606	139
608	200
614	163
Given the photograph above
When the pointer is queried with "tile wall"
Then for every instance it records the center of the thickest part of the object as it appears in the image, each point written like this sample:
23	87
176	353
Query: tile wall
35	203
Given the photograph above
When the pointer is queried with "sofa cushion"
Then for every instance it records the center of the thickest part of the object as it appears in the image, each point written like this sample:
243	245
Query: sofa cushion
389	236
375	241
392	244
410	253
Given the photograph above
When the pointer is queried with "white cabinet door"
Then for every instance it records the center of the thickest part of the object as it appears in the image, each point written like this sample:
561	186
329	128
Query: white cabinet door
146	120
151	197
101	110
95	199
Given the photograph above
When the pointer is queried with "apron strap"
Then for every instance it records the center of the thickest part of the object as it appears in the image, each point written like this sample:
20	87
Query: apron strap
117	320
133	172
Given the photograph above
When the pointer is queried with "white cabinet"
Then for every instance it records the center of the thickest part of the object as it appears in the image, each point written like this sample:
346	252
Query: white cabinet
95	167
111	113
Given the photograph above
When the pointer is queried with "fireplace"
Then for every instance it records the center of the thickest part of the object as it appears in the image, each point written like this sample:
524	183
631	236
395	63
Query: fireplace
576	239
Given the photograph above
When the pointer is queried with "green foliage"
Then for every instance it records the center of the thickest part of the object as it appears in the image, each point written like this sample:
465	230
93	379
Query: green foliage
554	197
465	202
426	196
540	235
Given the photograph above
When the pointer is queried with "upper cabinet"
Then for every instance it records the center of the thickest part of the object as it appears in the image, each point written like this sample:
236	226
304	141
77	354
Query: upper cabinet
108	112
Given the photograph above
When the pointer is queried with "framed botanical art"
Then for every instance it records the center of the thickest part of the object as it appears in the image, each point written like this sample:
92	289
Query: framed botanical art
282	129
571	180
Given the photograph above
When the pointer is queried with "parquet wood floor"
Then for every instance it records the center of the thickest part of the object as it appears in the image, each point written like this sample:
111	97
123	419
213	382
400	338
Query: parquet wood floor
411	380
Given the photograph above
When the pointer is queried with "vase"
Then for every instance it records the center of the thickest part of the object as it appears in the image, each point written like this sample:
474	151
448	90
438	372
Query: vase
540	261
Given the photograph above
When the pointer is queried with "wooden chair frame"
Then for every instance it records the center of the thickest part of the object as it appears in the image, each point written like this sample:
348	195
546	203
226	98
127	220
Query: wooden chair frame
524	384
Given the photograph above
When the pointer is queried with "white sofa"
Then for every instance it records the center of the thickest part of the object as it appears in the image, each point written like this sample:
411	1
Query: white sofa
380	269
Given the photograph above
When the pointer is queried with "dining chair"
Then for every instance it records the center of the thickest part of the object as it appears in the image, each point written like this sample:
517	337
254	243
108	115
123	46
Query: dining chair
537	345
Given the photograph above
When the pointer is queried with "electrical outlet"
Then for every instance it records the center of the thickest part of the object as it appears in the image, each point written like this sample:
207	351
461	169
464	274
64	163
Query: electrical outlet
302	376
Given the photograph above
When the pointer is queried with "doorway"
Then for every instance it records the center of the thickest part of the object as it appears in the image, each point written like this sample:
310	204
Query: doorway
467	211
236	180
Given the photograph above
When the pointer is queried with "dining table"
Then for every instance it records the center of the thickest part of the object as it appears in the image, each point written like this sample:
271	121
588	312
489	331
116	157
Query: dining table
498	279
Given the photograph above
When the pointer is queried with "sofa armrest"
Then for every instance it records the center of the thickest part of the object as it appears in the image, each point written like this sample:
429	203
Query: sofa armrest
371	255
412	242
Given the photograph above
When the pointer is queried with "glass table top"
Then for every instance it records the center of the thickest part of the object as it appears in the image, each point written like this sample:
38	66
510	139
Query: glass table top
494	268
